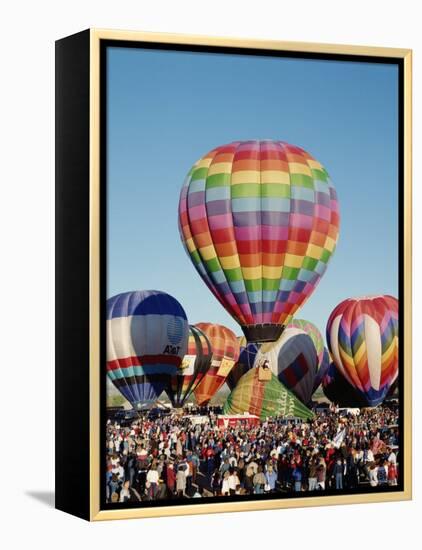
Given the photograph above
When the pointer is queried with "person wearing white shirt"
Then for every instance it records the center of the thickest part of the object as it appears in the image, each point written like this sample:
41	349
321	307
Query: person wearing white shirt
373	478
233	482
225	488
392	458
119	471
152	480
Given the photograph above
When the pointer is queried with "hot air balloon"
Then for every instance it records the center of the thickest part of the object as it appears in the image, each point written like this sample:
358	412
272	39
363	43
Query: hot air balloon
264	396
245	362
225	352
322	352
147	334
338	390
322	369
293	359
362	336
259	221
192	369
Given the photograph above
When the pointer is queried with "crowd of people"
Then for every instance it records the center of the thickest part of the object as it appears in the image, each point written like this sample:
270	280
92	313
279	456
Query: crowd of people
177	456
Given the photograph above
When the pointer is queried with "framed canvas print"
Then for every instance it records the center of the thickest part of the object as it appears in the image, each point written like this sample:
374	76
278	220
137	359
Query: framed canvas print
233	274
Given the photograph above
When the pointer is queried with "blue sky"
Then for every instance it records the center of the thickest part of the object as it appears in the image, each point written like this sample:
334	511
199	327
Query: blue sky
167	109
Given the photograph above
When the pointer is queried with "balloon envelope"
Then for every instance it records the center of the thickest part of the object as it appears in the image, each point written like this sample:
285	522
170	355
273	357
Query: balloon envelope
225	352
259	220
245	362
322	353
192	369
338	390
264	397
362	336
322	369
293	359
147	333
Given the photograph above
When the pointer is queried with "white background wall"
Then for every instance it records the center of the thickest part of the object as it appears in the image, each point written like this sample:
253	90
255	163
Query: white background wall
28	31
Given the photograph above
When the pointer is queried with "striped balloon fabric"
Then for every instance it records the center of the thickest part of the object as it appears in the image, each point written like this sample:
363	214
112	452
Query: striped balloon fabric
293	360
265	398
322	352
147	336
245	362
193	368
362	336
225	352
259	220
312	331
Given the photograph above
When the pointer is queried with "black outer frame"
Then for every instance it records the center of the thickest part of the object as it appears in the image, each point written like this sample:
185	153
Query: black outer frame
73	257
72	274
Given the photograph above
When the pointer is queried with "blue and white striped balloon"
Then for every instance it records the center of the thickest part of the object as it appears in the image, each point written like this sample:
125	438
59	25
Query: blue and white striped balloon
147	336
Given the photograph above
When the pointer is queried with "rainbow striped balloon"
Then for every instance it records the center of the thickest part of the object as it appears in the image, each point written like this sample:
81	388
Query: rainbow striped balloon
259	220
362	336
225	352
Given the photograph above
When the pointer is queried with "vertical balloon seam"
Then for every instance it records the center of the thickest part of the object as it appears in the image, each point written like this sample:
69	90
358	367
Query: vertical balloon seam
294	204
133	388
247	305
340	344
174	390
205	276
393	324
240	315
130	391
200	395
155	393
354	311
195	379
178	393
309	243
216	257
243	281
336	313
160	309
279	317
145	338
260	232
130	353
139	395
209	348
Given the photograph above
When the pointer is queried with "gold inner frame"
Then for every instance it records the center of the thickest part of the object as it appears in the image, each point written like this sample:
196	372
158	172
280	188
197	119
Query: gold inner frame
94	361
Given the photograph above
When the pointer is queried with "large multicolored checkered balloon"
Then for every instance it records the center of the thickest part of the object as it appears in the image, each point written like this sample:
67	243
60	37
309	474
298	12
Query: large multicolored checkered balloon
362	336
147	336
259	220
225	352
